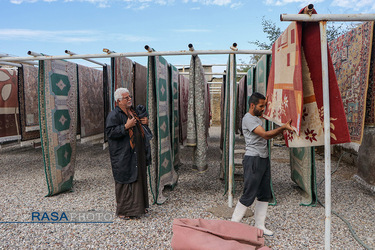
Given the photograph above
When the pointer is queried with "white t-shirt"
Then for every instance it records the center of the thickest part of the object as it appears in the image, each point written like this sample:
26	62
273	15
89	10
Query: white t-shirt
255	144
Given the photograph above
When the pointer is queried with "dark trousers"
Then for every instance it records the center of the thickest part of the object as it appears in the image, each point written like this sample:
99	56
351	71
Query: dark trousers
257	180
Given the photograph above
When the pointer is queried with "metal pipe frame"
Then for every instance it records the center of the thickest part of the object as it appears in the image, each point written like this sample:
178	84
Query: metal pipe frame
15	64
11	64
207	65
322	19
232	82
138	54
87	59
32	53
213	73
327	133
328	17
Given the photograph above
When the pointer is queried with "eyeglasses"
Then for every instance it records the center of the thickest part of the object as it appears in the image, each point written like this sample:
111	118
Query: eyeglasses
127	98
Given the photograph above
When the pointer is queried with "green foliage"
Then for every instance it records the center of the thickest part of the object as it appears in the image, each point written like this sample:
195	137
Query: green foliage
334	30
272	32
243	68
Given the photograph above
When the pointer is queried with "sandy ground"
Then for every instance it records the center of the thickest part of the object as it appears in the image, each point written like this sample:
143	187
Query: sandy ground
23	185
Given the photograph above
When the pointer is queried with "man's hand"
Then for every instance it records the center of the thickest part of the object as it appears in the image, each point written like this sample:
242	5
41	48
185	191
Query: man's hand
287	126
130	123
144	120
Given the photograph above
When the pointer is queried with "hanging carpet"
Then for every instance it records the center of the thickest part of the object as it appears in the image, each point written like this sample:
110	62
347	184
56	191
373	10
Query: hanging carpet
303	173
183	106
366	169
140	85
300	98
261	74
161	172
250	79
284	93
370	100
123	73
261	82
9	107
107	95
28	101
90	82
58	122
198	110
351	55
222	115
231	73
241	103
175	119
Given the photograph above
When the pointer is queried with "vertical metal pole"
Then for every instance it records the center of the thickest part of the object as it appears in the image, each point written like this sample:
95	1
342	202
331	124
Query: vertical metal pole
231	129
327	132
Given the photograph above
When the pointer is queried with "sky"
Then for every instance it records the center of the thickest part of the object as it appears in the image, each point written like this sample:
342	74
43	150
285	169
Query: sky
88	26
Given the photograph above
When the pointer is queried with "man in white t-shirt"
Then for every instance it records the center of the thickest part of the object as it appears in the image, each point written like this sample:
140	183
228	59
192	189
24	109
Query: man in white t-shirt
256	163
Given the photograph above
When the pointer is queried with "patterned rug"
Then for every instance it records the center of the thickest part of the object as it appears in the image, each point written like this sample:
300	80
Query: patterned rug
285	95
28	101
175	119
107	95
250	80
261	74
140	84
231	73
207	105
9	107
284	91
312	131
222	116
90	82
303	173
198	110
370	100
351	55
262	70
123	73
241	103
183	106
161	172
58	122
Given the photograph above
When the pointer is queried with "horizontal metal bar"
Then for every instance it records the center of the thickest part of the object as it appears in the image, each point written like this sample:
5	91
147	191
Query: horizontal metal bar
211	73
328	17
26	62
87	59
32	53
207	65
11	64
9	138
31	128
137	54
217	83
30	142
92	138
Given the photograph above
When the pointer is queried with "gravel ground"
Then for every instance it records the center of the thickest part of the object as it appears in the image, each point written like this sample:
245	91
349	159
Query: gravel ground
23	185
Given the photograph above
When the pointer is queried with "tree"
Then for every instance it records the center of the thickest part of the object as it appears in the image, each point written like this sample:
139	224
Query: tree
272	32
334	30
